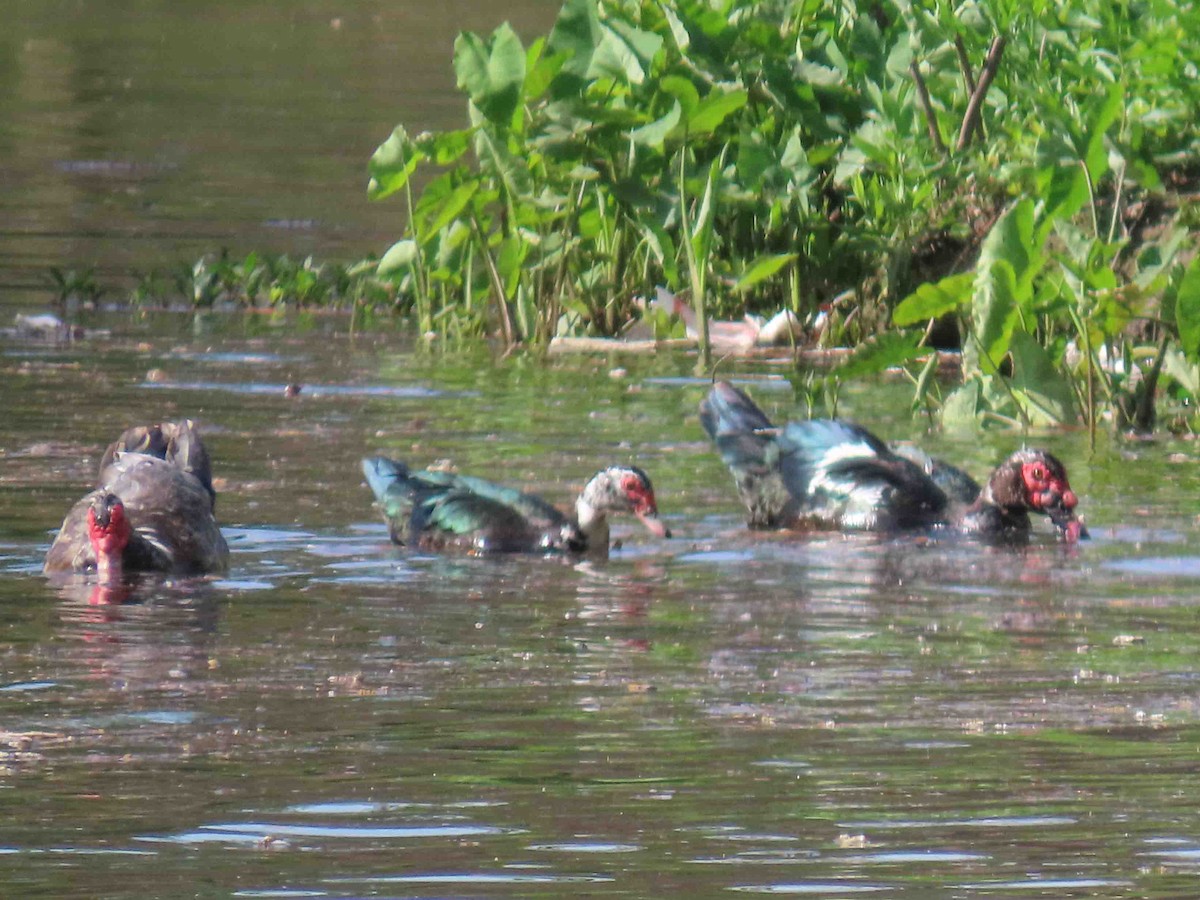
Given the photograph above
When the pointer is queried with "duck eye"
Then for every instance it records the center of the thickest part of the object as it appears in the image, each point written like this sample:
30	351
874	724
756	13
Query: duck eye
1039	473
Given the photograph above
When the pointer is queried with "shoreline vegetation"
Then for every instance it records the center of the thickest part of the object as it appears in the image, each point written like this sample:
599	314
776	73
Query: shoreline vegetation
1014	186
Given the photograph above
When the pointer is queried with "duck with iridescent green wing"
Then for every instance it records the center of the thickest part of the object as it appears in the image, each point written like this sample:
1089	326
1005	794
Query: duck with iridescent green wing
832	475
441	510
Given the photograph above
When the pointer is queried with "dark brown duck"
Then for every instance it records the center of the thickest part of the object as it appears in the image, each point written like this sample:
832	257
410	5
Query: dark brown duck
151	511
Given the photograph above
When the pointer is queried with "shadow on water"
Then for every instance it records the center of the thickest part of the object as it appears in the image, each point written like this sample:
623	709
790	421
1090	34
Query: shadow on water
722	711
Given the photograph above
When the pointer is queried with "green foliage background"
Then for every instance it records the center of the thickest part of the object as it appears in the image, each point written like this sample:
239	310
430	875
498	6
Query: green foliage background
824	155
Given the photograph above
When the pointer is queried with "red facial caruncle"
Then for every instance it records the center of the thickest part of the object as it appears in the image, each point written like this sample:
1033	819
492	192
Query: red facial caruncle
640	494
641	497
1046	489
108	530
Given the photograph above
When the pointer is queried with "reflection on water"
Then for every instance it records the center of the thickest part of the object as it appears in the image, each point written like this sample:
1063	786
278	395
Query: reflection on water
139	143
722	711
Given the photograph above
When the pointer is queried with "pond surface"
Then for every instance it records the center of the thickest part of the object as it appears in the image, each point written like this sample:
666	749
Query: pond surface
713	713
136	139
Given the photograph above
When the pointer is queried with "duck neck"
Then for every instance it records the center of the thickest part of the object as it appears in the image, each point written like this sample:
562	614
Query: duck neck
986	516
110	565
592	522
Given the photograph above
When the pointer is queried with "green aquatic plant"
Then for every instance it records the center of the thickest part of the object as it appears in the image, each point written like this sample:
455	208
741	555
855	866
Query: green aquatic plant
73	288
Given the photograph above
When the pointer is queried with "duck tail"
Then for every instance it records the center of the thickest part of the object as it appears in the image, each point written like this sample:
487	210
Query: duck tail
381	473
741	431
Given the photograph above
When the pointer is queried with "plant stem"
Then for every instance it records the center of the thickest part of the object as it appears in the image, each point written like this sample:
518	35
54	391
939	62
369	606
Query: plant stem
695	274
964	63
506	325
975	105
926	105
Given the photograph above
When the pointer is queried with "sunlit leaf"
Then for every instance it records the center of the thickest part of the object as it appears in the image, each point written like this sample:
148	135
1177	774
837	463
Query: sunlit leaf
654	133
399	256
392	164
444	147
496	159
880	354
1102	113
993	317
623	52
1065	195
492	72
962	408
455	202
1037	383
931	301
682	90
575	35
715	109
1187	311
762	269
540	68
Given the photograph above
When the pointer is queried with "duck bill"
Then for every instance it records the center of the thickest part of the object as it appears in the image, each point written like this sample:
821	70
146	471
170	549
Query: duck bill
653	523
1069	525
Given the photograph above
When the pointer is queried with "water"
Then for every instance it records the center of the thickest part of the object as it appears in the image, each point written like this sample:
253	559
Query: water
716	714
136	140
719	712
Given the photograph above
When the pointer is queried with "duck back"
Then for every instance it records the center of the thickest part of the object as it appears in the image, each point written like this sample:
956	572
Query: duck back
169	509
442	510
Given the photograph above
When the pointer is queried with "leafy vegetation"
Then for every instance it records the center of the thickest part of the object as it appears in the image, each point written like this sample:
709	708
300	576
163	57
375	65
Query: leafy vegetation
1012	179
761	155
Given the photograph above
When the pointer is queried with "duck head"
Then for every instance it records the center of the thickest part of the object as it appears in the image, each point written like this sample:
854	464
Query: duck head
619	489
109	531
1034	480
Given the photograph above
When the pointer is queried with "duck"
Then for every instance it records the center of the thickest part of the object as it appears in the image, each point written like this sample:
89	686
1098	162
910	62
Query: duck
438	509
152	510
830	474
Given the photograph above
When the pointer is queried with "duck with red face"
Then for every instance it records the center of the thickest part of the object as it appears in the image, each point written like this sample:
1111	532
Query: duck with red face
441	510
108	531
152	511
832	475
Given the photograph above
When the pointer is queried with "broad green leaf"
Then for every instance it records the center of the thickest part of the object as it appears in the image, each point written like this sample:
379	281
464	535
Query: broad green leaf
715	109
510	170
1102	113
1013	239
679	32
399	256
510	262
1038	385
931	301
453	204
444	147
884	352
392	164
962	408
654	133
492	73
540	69
762	269
662	246
1187	311
754	159
1185	372
575	35
822	76
682	90
993	318
1065	195
623	52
